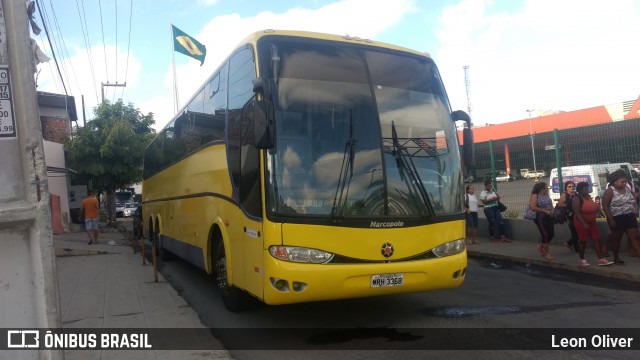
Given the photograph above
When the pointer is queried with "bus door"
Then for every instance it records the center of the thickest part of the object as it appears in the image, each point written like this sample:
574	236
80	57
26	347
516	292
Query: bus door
247	233
244	164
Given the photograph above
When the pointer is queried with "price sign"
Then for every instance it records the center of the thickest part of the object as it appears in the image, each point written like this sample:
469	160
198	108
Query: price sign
7	120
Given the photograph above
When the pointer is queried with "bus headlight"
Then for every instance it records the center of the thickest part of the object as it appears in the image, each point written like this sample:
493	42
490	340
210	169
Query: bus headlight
300	254
450	248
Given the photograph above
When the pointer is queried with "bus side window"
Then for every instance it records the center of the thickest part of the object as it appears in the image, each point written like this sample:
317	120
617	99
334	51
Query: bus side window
154	155
215	104
244	157
174	147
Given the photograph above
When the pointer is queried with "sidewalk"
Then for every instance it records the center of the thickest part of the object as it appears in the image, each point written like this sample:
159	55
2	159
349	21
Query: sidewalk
105	285
524	251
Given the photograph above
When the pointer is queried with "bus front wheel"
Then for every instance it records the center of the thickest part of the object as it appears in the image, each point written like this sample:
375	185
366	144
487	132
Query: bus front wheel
232	297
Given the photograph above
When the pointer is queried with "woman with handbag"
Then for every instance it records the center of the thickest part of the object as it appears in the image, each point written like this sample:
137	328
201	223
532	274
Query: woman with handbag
565	202
621	208
490	199
541	204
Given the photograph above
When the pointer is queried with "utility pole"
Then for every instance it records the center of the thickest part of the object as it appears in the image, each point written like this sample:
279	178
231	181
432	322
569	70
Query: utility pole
29	292
467	85
107	84
533	150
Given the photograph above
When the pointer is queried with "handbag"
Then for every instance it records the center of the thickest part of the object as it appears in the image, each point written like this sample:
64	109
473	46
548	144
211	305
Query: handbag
559	215
502	207
528	213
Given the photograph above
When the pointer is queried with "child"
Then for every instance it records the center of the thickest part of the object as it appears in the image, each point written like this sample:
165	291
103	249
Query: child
471	209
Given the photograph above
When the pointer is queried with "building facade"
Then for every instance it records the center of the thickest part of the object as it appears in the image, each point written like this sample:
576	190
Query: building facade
608	133
56	114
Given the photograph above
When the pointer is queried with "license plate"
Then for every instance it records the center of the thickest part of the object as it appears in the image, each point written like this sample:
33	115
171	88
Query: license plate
384	280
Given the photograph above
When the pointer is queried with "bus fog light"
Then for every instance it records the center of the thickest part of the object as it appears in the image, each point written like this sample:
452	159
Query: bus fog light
450	248
280	284
299	286
457	274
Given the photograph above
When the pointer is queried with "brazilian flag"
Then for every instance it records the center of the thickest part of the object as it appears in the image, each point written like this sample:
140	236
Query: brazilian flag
187	45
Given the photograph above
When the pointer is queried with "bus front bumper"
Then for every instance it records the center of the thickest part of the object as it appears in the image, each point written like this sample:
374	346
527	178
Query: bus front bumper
290	282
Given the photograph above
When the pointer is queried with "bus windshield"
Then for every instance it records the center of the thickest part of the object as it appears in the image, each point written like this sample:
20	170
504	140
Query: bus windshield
359	133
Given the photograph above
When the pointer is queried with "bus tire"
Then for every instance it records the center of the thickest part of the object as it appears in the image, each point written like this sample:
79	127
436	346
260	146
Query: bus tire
233	298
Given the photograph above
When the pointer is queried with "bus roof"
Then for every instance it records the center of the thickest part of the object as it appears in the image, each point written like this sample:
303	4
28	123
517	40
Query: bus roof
253	38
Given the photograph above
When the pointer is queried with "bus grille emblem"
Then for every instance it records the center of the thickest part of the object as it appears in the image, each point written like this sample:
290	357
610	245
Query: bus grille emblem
387	250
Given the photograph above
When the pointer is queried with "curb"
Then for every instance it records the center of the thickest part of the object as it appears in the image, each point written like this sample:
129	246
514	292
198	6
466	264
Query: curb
608	271
61	252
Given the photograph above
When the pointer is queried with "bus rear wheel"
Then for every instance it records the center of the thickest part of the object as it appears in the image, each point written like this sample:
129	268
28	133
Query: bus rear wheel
233	298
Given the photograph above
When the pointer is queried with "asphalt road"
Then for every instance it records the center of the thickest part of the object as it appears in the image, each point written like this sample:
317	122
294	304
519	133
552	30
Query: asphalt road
495	295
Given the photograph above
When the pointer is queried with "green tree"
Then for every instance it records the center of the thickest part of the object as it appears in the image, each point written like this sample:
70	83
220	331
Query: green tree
107	153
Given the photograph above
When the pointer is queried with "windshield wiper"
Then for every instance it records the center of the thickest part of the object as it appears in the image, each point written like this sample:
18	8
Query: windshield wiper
405	161
346	173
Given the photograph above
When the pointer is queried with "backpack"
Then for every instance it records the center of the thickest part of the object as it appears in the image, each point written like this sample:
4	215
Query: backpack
569	208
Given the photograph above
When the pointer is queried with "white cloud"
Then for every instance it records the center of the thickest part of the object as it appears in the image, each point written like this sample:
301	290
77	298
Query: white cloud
80	80
224	32
208	2
558	55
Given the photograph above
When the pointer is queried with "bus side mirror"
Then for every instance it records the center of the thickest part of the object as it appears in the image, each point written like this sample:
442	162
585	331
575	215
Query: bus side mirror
468	149
263	129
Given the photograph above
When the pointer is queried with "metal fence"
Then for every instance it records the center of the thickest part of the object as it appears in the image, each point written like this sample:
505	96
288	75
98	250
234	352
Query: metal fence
616	142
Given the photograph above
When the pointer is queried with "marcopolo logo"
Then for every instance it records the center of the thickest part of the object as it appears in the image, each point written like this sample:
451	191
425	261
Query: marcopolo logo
23	339
386	224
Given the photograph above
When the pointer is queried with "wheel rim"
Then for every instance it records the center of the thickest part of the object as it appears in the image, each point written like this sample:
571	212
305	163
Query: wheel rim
221	273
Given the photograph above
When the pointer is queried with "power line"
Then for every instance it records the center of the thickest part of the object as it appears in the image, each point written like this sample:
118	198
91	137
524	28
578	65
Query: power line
126	71
87	40
106	68
46	30
62	47
116	4
56	81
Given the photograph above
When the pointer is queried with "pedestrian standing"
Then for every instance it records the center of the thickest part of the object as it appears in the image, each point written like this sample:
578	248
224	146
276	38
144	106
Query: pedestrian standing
90	210
489	198
541	203
620	207
565	202
471	210
585	211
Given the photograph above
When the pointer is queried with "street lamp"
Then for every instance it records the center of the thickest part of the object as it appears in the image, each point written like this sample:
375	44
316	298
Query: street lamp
533	150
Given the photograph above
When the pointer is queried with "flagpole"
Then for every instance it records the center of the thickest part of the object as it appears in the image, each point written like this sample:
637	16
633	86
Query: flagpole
173	66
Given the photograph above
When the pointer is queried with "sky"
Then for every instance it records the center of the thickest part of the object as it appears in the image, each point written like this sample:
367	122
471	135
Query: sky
540	55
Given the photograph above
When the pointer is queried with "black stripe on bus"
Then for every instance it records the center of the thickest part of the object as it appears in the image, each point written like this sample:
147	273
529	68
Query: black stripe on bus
191	196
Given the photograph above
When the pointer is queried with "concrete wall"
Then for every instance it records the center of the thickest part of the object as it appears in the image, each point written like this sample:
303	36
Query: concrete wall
28	283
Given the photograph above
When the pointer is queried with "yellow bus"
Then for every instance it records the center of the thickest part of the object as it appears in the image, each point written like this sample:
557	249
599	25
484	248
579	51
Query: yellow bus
313	167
